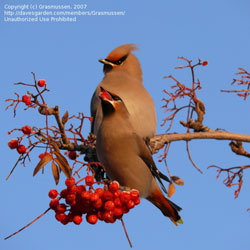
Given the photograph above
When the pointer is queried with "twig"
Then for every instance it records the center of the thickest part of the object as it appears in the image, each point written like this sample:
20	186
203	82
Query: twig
126	233
37	218
190	157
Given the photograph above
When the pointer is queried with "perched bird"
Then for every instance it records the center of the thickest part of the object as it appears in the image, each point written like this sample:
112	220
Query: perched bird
125	155
123	76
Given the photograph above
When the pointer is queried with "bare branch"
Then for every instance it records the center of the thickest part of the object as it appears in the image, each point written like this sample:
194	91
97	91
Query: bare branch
159	141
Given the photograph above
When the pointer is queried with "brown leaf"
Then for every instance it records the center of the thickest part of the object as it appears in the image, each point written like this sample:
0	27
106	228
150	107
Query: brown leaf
171	189
177	180
63	164
55	146
65	117
46	159
55	172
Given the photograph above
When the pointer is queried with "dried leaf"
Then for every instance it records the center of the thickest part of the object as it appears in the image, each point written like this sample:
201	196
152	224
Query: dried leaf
55	172
65	117
55	146
177	180
63	164
171	189
46	159
61	158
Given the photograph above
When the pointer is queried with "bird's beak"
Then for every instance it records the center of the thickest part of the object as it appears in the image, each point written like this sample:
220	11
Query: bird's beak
104	61
105	95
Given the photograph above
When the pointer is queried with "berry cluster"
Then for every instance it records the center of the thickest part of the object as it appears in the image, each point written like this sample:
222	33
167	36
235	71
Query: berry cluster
14	143
106	204
27	98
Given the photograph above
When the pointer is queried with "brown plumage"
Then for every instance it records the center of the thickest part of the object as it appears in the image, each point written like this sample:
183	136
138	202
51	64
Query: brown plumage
123	76
125	155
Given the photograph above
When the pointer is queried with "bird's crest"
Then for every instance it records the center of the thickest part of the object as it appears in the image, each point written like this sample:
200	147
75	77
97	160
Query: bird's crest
121	51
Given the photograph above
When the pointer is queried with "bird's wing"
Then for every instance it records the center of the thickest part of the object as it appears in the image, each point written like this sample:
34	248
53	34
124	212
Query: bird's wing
146	156
93	108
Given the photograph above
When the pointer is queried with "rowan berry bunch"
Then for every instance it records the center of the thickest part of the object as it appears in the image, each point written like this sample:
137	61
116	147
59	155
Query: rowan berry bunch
52	138
105	204
16	143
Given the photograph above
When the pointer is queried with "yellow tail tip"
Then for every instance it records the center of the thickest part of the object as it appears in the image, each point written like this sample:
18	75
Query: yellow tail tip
180	221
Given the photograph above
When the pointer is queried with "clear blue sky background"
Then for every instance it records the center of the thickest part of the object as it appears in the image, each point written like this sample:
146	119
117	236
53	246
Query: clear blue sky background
66	55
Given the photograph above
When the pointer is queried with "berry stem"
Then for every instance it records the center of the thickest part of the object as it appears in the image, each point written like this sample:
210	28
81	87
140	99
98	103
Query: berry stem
37	218
12	170
126	233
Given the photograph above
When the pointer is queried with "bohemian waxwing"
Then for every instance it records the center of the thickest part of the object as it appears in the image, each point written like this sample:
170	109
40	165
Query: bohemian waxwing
125	155
123	76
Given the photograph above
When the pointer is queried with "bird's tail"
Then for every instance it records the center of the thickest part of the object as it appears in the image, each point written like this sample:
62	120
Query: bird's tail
167	207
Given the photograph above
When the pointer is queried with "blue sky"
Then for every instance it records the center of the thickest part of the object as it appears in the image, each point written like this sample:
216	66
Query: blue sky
66	55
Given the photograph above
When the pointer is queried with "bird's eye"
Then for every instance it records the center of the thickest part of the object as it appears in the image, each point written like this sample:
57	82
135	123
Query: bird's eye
116	98
121	60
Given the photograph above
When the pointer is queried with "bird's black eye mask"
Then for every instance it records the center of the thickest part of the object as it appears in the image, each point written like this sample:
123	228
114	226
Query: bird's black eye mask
118	62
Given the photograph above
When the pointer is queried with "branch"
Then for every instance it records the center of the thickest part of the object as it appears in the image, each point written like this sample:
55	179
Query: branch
159	141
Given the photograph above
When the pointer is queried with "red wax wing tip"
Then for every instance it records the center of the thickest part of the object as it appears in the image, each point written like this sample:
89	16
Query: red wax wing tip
105	95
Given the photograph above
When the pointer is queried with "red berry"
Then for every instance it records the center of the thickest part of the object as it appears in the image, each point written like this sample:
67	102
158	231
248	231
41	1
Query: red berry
134	194
205	63
109	205
125	209
91	218
53	193
70	182
41	83
61	208
100	192
94	197
70	217
117	202
130	204
60	216
65	221
43	154
97	204
86	195
70	198
89	180
26	99
107	195
80	189
77	219
21	149
113	186
13	143
26	130
72	155
137	201
64	193
72	189
117	193
118	212
100	215
53	204
125	197
108	217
